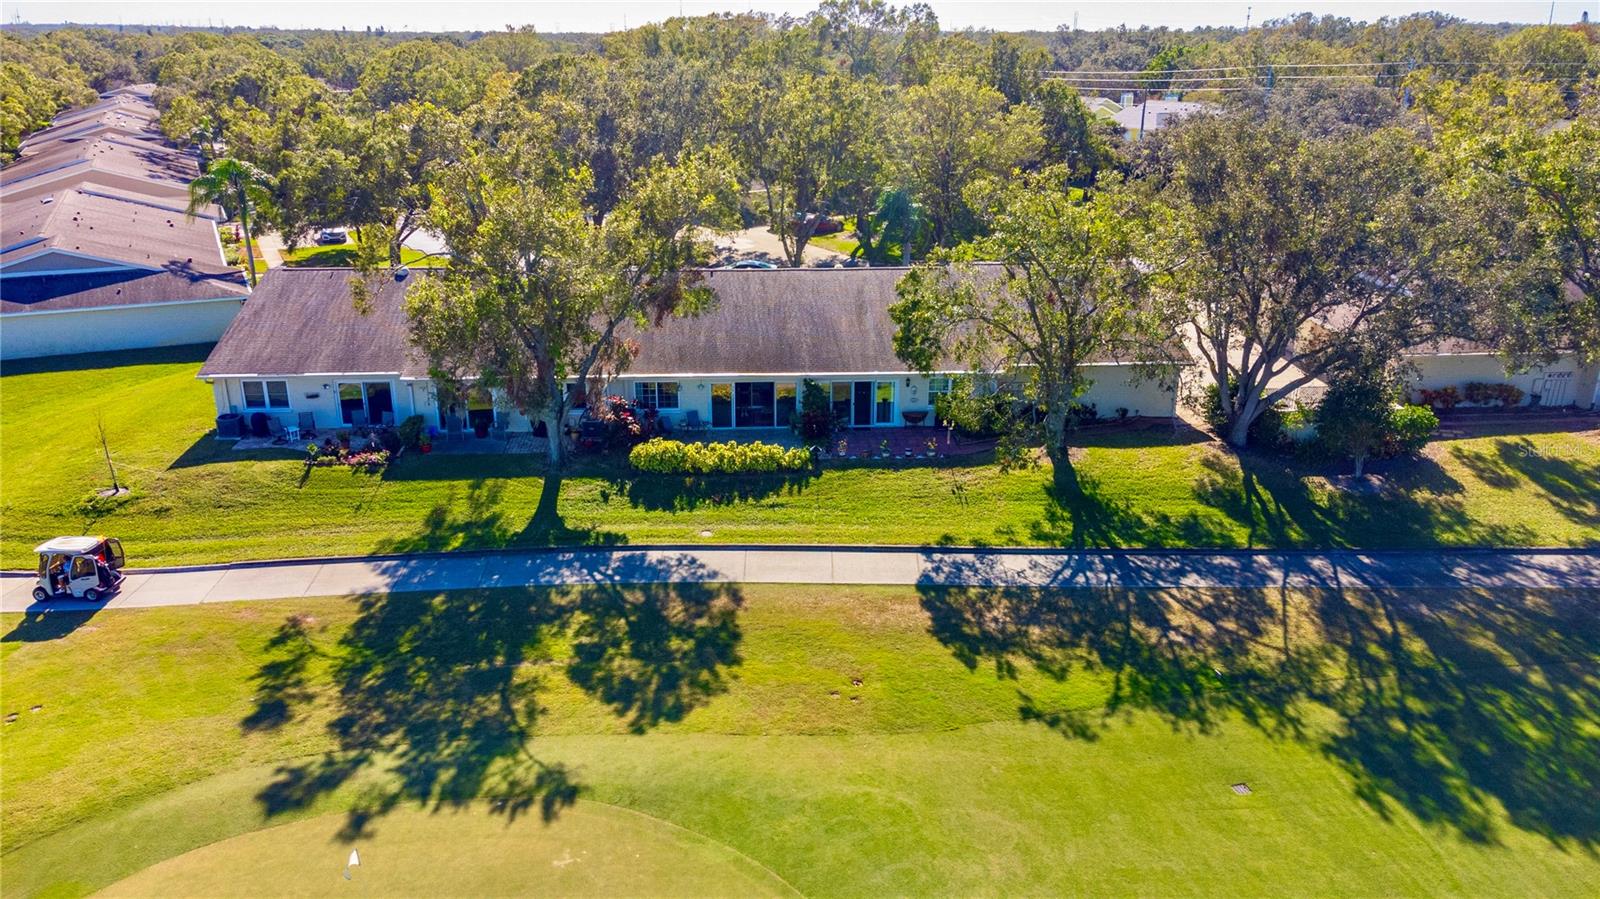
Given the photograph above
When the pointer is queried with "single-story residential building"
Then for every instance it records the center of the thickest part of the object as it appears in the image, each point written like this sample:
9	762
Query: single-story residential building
1567	381
300	346
84	271
1153	115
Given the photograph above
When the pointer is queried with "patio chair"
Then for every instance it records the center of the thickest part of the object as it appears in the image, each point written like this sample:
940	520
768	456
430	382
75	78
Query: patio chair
308	424
275	428
388	419
358	418
692	422
452	429
498	431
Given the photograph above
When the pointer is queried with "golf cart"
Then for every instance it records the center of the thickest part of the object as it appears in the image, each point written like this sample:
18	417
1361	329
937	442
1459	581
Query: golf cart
79	567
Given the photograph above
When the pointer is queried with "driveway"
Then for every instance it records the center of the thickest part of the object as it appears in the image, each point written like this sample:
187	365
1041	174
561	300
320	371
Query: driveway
1509	569
761	243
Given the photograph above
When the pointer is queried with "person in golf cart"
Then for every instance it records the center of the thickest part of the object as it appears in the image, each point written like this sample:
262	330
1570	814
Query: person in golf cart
83	567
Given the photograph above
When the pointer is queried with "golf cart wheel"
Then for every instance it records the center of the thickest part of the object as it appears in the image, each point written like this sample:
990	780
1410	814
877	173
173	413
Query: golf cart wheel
91	595
40	594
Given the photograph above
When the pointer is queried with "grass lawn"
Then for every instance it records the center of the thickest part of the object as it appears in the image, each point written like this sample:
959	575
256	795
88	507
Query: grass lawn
338	255
825	740
197	500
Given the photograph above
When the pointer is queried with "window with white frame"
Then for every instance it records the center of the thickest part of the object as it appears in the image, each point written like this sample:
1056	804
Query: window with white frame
938	386
656	394
265	394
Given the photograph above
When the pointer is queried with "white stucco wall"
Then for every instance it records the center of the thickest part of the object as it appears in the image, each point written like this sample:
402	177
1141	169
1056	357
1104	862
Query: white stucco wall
1436	372
1115	386
25	335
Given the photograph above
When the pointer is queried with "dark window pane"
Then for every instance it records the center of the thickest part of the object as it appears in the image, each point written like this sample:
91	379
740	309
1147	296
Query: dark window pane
722	405
278	394
667	395
379	401
753	404
350	401
885	402
255	397
786	404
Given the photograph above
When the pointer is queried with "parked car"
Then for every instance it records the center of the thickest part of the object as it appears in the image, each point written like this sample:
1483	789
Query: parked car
822	224
751	263
333	236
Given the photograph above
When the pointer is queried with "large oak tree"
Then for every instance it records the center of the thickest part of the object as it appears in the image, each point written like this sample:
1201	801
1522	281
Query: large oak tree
1291	258
539	294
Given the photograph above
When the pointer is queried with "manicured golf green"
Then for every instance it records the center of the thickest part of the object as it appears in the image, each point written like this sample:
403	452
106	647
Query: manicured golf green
850	741
196	500
591	850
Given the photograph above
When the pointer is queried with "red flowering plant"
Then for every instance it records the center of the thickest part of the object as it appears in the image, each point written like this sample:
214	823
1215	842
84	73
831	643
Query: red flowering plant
626	423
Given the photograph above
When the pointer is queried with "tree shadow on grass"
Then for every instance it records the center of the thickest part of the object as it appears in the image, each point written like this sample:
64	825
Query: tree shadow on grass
440	692
685	493
1278	505
1079	514
479	517
1571	486
1448	704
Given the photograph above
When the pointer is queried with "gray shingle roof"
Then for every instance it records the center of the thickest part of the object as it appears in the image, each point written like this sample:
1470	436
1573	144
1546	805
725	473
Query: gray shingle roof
97	290
302	321
783	321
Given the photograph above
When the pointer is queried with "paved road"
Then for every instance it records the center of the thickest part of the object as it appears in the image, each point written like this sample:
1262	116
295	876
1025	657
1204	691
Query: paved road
824	565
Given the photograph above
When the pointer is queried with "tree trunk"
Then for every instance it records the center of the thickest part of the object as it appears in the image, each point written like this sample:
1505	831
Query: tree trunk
556	453
1361	463
1239	431
1055	438
244	228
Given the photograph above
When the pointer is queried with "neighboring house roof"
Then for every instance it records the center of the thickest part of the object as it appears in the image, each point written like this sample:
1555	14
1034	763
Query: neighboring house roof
1155	113
153	162
127	230
765	322
101	290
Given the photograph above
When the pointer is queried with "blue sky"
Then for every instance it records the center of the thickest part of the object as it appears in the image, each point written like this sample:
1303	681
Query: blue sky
603	15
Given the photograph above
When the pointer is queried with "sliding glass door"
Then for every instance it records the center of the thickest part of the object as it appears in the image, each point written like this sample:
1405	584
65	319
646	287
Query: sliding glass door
367	401
722	405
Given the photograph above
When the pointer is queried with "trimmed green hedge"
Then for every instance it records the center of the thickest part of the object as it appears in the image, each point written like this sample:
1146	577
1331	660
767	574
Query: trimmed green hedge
660	456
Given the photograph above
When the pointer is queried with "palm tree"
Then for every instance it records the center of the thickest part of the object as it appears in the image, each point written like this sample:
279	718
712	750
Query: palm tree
239	188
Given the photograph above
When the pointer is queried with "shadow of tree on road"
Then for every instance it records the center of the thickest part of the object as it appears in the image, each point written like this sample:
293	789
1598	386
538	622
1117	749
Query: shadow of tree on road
439	693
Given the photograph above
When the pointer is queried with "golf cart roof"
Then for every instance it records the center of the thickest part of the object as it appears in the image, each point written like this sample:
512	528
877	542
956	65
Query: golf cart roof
69	545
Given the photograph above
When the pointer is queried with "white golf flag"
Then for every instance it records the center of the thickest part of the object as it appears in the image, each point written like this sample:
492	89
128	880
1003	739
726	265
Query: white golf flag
354	861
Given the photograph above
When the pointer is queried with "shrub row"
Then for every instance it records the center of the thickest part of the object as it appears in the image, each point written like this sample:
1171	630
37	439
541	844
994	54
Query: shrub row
676	457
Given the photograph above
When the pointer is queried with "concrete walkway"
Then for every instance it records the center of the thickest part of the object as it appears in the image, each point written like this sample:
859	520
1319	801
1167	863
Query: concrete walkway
831	565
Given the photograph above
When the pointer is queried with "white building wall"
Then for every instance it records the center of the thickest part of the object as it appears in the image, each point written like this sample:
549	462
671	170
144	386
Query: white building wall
1115	387
1437	372
25	335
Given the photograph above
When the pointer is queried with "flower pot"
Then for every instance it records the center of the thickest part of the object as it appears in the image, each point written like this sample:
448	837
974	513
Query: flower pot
425	448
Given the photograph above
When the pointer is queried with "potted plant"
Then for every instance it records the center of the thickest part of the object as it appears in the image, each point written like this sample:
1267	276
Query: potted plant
425	446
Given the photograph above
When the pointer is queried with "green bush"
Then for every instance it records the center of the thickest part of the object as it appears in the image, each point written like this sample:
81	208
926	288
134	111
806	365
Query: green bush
815	420
410	432
660	456
1410	427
